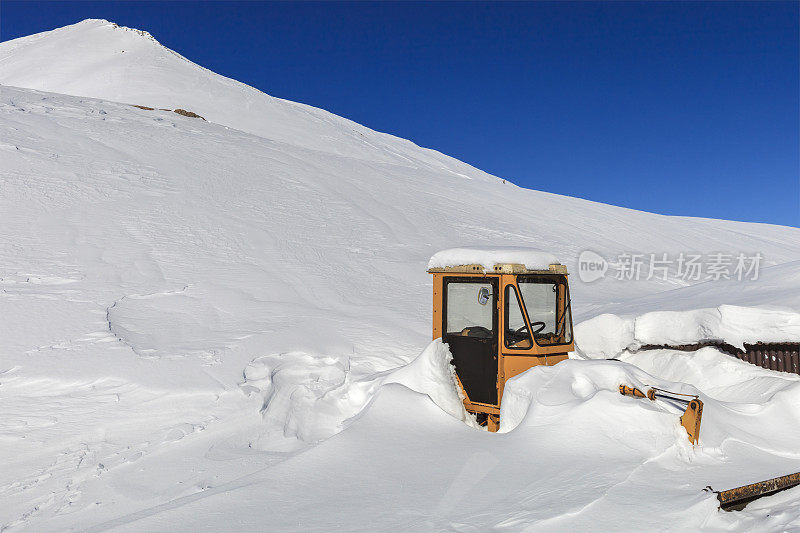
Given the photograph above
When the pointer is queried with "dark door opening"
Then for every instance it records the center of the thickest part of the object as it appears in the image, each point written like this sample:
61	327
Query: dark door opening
470	329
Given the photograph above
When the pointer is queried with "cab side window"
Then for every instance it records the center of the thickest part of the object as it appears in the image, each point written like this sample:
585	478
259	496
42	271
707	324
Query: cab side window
469	312
516	331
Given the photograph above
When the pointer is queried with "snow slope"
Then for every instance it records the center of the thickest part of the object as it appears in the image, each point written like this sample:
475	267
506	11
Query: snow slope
97	58
190	308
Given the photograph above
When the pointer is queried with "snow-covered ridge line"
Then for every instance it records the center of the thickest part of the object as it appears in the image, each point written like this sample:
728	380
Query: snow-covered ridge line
608	335
132	66
143	33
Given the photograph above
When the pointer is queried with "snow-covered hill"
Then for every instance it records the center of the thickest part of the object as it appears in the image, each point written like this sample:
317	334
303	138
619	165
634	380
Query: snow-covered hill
100	59
187	303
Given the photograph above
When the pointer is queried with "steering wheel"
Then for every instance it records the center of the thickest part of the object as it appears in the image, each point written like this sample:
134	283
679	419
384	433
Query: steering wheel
476	331
522	328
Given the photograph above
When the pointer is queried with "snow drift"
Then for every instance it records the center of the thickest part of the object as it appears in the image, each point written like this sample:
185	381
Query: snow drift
403	462
607	336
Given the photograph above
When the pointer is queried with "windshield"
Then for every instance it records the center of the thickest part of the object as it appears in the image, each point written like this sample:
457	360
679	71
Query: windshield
546	298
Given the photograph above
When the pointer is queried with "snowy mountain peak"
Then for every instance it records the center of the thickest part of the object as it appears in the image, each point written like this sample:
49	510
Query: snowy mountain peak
102	59
90	32
103	23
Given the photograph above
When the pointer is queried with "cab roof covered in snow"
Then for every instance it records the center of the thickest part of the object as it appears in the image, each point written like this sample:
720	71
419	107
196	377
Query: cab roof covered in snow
502	260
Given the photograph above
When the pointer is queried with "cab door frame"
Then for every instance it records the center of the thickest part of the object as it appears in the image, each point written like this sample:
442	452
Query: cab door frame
476	359
516	361
439	328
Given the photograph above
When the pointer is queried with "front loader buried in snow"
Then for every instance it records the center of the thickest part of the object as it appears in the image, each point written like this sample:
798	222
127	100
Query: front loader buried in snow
692	416
732	499
499	321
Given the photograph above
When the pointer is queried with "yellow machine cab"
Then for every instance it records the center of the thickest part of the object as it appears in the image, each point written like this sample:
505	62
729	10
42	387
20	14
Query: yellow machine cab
501	312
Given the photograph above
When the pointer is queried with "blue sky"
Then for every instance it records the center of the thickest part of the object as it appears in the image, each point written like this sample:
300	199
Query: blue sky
676	108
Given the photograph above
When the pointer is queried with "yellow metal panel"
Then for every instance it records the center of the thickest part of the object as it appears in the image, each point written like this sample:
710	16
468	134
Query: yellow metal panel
437	306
